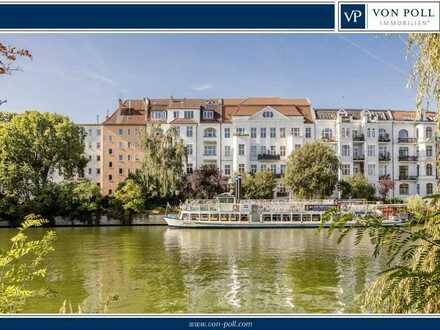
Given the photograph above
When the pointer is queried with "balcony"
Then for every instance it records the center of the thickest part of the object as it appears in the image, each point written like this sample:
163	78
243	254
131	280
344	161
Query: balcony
407	158
358	158
407	177
384	138
384	157
268	157
328	139
359	138
407	140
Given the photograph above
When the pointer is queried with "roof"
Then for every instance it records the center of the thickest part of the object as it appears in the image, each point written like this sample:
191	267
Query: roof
183	121
129	112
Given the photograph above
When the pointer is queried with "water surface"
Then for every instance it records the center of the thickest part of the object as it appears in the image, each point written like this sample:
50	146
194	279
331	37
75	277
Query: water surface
163	270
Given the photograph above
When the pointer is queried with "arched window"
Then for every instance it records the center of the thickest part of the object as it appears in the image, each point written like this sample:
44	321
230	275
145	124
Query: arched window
428	170
403	189
428	132
209	132
429	188
403	134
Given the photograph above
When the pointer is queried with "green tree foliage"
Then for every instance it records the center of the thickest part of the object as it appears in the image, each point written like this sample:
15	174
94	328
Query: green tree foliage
21	264
205	182
32	146
258	186
162	169
312	171
357	187
8	57
410	284
128	198
6	117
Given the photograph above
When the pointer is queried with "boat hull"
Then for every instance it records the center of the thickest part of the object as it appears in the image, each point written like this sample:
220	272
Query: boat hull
177	223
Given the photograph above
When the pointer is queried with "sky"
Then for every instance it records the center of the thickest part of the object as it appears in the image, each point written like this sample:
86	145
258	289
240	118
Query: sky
84	75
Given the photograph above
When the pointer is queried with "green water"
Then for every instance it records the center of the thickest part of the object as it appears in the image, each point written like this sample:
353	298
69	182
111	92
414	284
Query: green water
162	270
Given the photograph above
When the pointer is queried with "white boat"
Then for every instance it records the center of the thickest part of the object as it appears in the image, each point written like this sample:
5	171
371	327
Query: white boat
225	212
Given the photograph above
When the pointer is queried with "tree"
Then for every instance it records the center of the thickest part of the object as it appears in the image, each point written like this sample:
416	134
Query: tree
385	186
312	171
359	188
34	145
258	186
162	169
8	56
21	264
205	182
129	198
410	284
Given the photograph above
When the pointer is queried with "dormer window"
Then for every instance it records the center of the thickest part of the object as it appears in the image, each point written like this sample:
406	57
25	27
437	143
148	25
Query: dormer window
158	115
267	114
208	114
188	114
176	114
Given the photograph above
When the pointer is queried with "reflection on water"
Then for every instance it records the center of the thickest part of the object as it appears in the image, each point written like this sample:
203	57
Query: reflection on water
163	270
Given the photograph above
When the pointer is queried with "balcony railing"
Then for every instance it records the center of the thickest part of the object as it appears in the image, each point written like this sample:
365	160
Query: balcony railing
408	177
359	157
268	157
384	156
407	140
407	158
359	138
384	138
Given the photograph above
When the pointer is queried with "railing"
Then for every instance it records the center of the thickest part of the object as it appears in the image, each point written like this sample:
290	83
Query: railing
384	138
407	140
269	157
384	156
407	158
359	137
408	177
358	157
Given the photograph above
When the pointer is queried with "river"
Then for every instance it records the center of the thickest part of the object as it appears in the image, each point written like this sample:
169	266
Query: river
161	270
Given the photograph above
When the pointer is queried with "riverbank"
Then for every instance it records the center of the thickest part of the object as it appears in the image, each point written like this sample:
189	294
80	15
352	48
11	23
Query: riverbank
140	220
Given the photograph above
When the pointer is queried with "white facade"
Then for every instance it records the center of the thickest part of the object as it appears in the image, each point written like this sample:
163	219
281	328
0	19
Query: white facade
92	150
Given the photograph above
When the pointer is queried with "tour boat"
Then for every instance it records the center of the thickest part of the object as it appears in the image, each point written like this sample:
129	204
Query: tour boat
225	212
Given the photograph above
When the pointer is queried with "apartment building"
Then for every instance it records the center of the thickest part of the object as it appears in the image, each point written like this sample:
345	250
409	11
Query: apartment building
241	135
92	144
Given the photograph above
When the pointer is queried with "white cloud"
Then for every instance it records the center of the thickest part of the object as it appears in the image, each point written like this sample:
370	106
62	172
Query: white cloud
202	87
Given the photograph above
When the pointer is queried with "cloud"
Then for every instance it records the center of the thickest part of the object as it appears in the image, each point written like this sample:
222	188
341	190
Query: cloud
202	87
99	77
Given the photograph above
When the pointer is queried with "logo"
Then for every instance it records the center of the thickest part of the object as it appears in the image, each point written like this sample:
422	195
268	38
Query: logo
352	16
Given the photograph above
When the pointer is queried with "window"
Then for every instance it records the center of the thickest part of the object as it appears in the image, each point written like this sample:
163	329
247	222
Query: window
403	171
428	170
273	132
345	169
209	132
418	189
120	157
308	132
253	151
282	168
90	170
188	114
98	158
253	132
189	149
371	150
189	168
403	151
428	132
404	189
98	132
326	133
210	150
240	131
208	114
346	150
272	150
189	131
227	133
282	132
90	146
371	169
110	151
273	169
110	164
110	138
428	151
227	169
267	114
253	168
241	168
121	171
110	178
120	132
158	115
227	151
241	149
98	171
178	131
129	157
263	167
90	157
89	132
371	132
263	150
262	132
295	131
121	145
418	169
403	134
345	132
98	145
282	151
429	188
297	146
176	114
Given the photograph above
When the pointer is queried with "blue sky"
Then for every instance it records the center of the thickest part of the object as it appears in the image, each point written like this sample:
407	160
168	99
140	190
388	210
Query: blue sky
83	75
